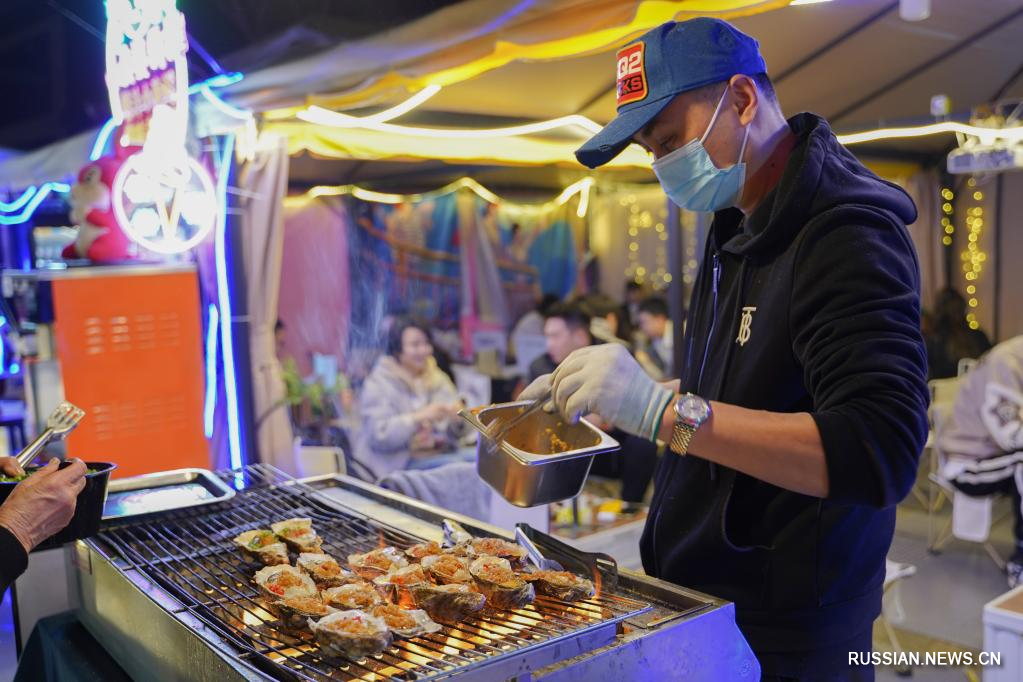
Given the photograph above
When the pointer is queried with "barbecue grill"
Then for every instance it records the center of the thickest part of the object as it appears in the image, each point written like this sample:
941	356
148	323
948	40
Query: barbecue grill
170	597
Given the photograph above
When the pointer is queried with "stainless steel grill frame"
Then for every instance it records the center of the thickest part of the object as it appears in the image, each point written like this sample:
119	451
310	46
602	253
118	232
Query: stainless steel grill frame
189	555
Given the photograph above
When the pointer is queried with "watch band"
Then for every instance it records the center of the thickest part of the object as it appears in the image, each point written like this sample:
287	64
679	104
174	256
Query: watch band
681	436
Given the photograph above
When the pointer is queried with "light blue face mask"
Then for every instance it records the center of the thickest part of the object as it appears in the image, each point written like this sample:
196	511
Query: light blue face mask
693	182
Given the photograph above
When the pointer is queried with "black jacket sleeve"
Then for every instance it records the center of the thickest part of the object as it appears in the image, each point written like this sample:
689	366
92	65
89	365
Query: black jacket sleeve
13	559
855	324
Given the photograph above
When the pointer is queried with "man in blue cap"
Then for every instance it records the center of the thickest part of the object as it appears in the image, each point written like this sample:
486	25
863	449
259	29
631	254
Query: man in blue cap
800	413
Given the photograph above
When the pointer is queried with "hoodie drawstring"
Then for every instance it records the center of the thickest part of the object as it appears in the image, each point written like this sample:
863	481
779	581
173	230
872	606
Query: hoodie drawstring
731	345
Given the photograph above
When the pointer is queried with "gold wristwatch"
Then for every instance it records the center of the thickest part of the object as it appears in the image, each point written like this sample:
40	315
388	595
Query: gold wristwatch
691	412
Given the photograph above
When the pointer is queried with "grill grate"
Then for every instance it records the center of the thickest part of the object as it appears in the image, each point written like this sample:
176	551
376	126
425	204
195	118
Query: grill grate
190	554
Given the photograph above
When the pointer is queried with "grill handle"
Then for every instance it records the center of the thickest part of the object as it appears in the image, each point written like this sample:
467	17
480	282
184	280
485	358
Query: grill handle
572	559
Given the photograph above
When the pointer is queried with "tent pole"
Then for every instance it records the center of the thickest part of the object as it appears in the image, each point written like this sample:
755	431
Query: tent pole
999	186
676	288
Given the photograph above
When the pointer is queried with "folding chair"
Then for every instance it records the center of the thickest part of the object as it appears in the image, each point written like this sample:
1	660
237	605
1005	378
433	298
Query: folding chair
891	608
943	395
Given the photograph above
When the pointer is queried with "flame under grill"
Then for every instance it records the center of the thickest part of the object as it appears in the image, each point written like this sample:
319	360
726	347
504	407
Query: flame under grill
190	555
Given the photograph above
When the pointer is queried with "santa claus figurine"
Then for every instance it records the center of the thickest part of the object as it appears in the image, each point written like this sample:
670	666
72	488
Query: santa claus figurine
100	238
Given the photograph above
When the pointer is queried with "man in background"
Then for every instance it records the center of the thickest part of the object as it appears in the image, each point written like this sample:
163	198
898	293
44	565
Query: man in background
566	328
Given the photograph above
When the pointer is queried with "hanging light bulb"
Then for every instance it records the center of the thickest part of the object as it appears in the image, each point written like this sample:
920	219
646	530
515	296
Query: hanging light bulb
914	10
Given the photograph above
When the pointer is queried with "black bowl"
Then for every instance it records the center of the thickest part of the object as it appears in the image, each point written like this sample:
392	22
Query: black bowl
88	509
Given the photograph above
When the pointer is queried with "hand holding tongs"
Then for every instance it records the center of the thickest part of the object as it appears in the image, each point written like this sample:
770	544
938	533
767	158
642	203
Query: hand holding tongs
496	431
59	424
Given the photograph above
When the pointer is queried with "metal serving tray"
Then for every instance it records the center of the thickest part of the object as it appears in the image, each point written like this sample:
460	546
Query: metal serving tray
151	493
524	470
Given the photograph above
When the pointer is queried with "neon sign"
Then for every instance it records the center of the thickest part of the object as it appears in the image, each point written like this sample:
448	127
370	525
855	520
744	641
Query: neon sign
163	198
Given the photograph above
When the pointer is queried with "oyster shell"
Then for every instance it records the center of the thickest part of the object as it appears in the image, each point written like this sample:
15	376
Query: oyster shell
296	612
497	547
298	534
448	603
560	585
405	622
447	569
376	563
503	588
355	634
263	546
352	596
423	550
394	586
283	582
324	570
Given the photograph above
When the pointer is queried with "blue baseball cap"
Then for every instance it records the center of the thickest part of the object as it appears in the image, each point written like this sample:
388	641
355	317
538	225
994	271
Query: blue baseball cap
674	57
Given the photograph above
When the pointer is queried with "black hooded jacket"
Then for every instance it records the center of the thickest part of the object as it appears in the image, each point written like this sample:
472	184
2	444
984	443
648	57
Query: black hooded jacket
826	274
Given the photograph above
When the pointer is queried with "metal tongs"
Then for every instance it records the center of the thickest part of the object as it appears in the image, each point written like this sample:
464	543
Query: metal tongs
498	430
60	423
536	557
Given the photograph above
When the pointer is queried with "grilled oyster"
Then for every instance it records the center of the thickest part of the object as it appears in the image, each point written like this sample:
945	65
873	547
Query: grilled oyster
296	612
499	548
263	546
298	534
394	586
503	588
448	603
283	582
376	563
447	569
405	622
423	550
323	569
352	596
354	634
560	585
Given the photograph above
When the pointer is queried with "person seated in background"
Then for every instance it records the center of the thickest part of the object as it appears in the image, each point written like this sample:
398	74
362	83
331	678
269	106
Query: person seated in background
38	507
567	329
656	352
607	324
408	406
983	436
951	337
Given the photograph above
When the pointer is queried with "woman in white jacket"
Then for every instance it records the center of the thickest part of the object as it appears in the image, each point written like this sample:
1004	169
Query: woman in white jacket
408	405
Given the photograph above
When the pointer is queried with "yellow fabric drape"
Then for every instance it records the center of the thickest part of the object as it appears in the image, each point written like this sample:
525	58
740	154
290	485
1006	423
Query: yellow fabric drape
348	143
549	30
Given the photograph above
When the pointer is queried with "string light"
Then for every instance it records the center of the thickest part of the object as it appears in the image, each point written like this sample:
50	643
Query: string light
987	136
580	187
947	223
972	256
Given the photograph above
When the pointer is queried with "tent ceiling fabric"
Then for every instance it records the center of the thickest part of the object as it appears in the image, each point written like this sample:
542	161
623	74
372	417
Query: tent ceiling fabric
852	63
464	40
866	61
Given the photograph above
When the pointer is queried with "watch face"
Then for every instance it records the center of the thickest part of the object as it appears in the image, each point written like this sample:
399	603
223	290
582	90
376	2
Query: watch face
692	409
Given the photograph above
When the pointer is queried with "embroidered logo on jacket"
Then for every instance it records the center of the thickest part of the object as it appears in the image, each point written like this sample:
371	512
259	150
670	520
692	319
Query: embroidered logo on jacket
631	74
744	325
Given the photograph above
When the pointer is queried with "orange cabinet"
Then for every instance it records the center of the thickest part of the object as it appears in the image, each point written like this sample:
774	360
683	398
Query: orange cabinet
129	342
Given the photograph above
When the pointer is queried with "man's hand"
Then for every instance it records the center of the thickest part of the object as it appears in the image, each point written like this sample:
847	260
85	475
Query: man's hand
10	467
606	379
43	503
